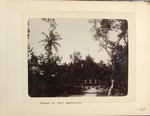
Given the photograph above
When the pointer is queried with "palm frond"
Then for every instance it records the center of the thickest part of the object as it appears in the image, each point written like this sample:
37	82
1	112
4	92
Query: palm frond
55	47
45	40
54	35
55	43
46	35
44	44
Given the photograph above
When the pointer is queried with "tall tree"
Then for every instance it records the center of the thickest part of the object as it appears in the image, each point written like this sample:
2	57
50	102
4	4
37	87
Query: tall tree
101	30
50	42
51	39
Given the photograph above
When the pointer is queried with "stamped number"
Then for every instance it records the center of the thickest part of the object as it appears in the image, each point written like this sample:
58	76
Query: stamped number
141	109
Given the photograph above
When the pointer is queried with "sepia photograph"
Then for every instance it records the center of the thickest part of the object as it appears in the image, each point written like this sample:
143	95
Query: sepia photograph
77	57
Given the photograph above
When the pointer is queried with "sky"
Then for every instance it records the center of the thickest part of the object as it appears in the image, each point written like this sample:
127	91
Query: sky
76	37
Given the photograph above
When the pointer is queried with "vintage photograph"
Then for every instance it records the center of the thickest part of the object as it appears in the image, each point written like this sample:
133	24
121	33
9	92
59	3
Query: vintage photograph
74	57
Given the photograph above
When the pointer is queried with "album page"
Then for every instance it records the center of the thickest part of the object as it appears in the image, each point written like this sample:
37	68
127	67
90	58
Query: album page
74	58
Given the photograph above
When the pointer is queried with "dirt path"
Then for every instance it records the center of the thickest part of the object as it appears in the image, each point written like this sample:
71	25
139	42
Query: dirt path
89	92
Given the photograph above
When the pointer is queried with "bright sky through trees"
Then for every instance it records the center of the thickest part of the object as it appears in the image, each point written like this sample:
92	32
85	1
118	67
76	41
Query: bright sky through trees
76	37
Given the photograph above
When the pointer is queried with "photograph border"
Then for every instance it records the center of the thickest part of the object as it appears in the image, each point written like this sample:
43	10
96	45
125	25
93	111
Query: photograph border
130	17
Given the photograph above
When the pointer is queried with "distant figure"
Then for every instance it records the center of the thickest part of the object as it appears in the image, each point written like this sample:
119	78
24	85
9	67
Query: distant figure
85	81
95	81
90	81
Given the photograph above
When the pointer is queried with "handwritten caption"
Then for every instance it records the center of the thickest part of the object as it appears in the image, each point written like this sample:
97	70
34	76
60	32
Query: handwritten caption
141	109
46	103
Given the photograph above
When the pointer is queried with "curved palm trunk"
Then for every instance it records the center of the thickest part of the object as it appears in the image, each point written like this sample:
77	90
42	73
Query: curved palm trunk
111	88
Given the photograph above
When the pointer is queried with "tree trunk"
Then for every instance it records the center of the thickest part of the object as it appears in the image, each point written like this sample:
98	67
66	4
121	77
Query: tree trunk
111	88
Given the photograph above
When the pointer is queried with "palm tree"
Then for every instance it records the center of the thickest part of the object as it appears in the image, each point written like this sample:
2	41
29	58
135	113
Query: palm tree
50	42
